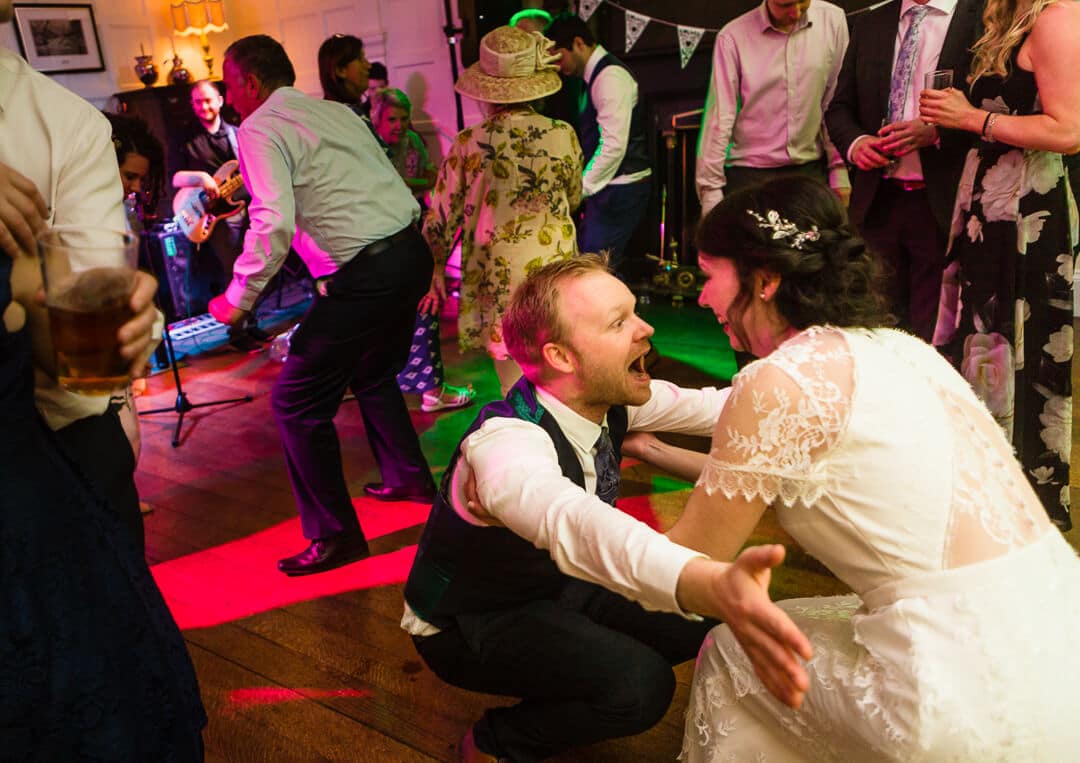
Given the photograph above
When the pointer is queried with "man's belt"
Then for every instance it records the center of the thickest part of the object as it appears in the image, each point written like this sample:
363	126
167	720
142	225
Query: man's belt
377	247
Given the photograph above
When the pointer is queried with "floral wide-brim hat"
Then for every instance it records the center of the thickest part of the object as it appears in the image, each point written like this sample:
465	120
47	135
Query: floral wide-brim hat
514	67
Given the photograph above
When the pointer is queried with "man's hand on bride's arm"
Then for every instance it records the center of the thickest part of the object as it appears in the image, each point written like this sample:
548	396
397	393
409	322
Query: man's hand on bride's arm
738	594
681	462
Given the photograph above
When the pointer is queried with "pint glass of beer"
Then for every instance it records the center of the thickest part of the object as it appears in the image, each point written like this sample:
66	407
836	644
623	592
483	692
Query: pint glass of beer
89	274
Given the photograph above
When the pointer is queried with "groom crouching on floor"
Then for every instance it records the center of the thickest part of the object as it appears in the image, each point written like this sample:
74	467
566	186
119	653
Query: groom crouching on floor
531	591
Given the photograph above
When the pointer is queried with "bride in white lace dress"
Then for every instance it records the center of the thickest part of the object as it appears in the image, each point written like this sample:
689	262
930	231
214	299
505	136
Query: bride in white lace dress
960	640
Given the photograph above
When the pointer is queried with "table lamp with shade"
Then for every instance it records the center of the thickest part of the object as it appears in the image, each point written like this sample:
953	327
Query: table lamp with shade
199	17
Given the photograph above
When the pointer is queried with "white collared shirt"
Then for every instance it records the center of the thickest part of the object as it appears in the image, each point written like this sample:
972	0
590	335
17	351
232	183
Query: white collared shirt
64	146
614	94
767	96
519	482
320	182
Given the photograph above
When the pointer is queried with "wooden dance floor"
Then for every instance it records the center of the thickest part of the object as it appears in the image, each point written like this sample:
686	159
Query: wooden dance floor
316	668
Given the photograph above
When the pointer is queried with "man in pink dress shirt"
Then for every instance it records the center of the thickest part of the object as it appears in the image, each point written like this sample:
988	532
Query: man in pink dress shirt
774	71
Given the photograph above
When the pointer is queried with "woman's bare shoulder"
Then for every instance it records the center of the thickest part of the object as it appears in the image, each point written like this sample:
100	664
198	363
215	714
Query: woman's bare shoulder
1052	42
1060	18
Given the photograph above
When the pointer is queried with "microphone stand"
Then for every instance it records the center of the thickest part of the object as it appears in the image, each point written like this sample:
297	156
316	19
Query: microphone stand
183	404
452	33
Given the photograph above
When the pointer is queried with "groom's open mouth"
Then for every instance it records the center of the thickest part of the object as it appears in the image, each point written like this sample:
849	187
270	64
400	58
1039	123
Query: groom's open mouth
637	367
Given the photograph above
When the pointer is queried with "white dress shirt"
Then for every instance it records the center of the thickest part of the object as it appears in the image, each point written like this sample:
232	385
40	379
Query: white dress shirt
520	483
64	145
319	181
768	94
614	94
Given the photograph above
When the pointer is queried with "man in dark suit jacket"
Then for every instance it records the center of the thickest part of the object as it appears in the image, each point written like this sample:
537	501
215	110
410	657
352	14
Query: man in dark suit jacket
906	172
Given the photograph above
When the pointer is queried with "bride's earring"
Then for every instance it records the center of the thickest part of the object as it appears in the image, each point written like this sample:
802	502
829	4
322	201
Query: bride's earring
762	295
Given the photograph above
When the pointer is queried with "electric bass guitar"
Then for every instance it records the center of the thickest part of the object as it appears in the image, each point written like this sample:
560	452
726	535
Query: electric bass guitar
196	214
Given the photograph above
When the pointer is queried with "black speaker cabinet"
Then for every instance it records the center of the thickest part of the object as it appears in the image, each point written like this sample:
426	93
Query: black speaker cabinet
187	278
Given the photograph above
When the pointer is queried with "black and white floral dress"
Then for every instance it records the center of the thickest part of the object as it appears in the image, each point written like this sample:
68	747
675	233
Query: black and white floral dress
1007	300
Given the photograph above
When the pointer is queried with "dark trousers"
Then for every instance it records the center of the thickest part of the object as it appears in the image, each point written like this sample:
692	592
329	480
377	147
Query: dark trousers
737	178
101	451
902	231
611	217
356	336
589	666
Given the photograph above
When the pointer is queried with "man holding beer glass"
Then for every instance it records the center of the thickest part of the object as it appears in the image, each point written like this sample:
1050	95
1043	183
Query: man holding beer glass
58	169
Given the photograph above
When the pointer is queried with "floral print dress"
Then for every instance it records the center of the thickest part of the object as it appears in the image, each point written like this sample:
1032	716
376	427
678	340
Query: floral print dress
510	185
1007	297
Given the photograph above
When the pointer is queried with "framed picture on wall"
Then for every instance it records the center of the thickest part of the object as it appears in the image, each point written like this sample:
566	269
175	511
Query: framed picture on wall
58	38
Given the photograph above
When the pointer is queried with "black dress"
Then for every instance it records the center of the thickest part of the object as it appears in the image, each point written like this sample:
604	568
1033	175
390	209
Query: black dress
92	665
1007	298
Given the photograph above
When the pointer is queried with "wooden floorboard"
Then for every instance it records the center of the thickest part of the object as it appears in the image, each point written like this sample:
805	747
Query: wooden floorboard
258	718
318	669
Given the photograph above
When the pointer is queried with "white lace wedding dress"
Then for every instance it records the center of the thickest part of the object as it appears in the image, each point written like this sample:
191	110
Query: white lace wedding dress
961	642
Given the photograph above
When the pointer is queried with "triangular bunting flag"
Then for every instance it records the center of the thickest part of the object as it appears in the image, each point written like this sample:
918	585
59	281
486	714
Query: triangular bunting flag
689	37
635	25
586	8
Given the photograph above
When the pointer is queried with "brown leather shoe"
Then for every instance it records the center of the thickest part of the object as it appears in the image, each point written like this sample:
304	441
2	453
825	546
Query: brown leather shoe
470	753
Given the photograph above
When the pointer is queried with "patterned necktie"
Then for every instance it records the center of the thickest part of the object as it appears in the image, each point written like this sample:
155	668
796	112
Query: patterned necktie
607	469
905	63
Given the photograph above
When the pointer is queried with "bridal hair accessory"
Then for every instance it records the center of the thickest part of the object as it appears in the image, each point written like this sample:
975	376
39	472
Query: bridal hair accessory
782	228
514	67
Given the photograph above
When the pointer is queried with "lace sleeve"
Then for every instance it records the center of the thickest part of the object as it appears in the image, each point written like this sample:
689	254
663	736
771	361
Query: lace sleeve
785	413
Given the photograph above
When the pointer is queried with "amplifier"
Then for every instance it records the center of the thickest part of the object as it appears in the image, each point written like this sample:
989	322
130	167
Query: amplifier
187	278
671	278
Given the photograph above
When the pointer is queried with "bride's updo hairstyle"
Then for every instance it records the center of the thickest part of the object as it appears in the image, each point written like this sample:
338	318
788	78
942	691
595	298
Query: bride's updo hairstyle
796	228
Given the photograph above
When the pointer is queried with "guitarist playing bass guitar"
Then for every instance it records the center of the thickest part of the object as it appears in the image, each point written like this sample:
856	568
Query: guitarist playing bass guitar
209	153
202	201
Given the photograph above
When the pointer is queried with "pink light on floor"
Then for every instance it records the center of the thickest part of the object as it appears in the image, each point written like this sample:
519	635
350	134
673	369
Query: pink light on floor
238	700
240	578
